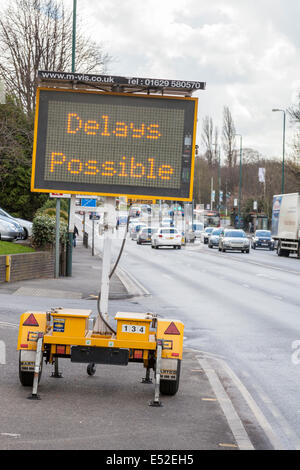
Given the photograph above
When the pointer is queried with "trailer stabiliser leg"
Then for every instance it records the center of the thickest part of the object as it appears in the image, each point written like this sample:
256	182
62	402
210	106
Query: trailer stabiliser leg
156	401
147	380
37	366
56	374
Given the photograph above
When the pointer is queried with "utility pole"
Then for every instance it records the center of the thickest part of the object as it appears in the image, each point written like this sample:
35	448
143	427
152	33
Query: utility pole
283	147
240	181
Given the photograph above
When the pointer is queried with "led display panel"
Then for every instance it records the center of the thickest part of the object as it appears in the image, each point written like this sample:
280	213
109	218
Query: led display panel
114	144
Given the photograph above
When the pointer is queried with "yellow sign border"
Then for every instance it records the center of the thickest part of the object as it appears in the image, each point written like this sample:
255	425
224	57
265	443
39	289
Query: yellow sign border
139	196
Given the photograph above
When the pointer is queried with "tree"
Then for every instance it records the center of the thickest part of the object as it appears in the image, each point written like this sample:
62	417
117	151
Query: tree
229	137
37	35
16	133
207	138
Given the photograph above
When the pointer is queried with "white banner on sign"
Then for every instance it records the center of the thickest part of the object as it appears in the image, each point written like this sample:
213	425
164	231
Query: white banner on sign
59	195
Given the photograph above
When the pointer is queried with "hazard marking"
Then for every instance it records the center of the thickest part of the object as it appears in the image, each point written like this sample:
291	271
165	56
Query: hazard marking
31	321
172	330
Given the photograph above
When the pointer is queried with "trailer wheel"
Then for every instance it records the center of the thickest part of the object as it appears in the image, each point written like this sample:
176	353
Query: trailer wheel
170	387
26	378
91	369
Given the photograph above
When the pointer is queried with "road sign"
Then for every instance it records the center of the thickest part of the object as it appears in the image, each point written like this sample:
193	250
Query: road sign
88	202
114	144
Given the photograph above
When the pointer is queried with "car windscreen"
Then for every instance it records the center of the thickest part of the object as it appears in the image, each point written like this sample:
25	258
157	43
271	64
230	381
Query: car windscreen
168	231
149	230
235	234
263	233
217	231
197	226
208	230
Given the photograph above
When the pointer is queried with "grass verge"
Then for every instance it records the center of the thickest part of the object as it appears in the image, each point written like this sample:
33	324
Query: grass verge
9	248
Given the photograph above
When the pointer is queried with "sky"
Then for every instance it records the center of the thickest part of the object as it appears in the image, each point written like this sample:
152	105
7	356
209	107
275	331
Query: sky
247	52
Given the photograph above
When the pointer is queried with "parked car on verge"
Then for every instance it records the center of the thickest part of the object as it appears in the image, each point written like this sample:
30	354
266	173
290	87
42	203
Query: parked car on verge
134	230
214	237
263	239
20	230
234	239
198	228
8	231
27	226
166	236
205	235
144	235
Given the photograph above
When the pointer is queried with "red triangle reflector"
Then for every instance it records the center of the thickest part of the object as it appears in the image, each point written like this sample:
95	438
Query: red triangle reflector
31	321
172	330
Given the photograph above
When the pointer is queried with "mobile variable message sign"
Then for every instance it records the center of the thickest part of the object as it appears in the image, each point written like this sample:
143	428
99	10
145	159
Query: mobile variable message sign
114	144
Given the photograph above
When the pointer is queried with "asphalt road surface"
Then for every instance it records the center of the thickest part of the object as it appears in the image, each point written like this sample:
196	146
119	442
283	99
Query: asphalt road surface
240	309
241	316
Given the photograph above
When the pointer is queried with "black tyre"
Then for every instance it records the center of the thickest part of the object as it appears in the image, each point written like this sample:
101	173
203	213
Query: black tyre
170	387
280	252
26	378
91	369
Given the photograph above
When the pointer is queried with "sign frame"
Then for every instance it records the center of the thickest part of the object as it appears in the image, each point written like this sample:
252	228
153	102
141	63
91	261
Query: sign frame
114	193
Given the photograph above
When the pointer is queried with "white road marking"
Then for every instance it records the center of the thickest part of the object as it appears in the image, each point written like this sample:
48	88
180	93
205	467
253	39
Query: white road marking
236	425
263	422
4	324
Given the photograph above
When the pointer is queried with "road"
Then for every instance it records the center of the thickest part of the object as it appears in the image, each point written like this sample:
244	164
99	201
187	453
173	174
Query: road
242	308
241	317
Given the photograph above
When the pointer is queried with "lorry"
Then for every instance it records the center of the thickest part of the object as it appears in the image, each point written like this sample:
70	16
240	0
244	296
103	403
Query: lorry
286	223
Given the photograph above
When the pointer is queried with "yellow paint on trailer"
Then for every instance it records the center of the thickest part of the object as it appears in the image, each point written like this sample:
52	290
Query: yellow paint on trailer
31	324
171	332
70	323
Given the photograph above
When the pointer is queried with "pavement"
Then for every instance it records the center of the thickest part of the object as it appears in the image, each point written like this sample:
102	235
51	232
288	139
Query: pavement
214	425
84	283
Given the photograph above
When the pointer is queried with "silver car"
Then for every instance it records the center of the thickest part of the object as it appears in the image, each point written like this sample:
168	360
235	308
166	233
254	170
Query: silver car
214	237
234	239
144	235
13	222
8	232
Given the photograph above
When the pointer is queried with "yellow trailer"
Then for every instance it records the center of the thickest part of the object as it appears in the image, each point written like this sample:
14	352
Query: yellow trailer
67	333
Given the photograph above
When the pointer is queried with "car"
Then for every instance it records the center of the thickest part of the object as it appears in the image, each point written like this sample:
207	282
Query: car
24	226
214	237
167	221
134	211
188	236
16	224
134	230
8	231
205	235
146	208
198	228
166	236
234	239
263	239
144	235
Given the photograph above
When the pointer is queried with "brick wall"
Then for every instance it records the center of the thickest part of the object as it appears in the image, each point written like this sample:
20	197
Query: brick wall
2	268
29	266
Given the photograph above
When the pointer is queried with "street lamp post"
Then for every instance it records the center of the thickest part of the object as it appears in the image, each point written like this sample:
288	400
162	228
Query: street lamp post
283	147
240	180
73	197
